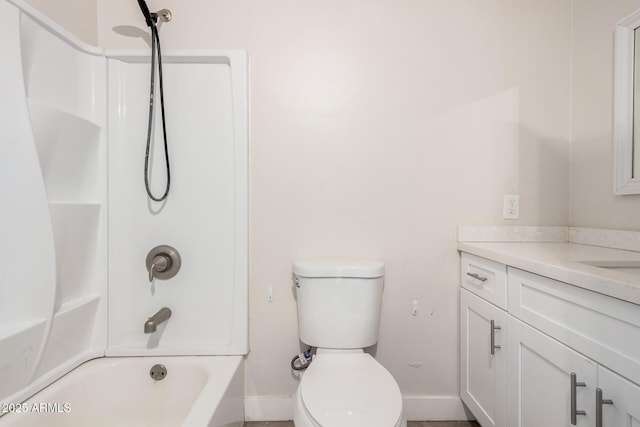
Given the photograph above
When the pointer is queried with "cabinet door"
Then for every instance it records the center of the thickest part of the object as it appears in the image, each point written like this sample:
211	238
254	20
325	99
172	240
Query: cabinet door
539	385
482	374
624	411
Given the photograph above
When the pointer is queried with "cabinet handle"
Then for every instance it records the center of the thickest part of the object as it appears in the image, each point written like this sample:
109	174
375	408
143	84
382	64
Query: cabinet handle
477	277
493	337
574	385
599	402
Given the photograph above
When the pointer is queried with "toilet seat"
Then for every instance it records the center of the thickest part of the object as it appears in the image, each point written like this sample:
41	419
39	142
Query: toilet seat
350	390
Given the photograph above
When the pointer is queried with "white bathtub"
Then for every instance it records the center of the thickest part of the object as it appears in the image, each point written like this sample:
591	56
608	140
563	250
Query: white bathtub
197	391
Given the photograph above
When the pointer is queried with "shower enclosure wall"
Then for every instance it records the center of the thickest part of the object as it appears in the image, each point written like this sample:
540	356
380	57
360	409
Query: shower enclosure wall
76	224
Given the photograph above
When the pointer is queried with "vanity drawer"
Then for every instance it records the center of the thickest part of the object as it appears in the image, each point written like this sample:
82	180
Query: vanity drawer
485	278
603	328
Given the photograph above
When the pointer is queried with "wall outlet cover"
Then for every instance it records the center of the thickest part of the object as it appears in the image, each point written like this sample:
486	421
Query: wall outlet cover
511	207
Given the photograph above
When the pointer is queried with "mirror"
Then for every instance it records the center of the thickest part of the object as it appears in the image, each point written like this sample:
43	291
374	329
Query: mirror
626	126
635	152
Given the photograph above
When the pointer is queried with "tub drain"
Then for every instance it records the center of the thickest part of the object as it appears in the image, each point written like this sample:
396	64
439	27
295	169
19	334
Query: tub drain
158	372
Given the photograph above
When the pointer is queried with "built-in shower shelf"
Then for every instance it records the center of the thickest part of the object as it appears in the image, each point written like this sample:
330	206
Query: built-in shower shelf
76	231
56	109
69	152
54	311
8	331
71	332
56	72
77	303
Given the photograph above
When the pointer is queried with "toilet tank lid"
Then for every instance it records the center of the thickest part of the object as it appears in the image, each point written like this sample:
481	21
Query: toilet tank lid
354	268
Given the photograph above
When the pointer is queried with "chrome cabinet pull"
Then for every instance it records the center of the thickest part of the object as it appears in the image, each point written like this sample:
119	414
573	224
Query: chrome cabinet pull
477	277
599	402
493	337
574	385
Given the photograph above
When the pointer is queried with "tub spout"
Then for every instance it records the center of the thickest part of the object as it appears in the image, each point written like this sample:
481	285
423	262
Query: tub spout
152	323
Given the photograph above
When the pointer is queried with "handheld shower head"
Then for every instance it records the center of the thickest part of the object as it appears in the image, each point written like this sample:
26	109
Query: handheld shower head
148	16
151	19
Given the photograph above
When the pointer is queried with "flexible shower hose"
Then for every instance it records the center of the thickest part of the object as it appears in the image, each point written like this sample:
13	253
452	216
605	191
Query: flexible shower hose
155	47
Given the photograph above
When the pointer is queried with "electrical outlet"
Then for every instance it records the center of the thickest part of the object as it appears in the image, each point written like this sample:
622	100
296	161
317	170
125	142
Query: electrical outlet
511	207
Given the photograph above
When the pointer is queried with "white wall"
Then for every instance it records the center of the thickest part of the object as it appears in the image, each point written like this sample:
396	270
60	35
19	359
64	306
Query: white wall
78	16
593	203
377	128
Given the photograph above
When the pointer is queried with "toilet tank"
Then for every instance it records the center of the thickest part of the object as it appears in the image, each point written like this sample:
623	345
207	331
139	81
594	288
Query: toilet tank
338	302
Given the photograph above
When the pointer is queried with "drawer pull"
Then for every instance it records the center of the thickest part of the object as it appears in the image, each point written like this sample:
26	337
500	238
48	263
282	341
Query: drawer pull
575	412
599	402
477	277
493	337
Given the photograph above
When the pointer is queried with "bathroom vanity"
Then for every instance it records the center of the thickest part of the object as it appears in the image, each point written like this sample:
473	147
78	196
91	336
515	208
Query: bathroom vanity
550	334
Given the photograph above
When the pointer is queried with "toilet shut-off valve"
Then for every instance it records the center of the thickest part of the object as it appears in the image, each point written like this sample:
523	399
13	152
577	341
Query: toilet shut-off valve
301	361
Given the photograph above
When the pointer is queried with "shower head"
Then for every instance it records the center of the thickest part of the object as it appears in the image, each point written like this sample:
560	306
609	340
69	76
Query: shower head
148	16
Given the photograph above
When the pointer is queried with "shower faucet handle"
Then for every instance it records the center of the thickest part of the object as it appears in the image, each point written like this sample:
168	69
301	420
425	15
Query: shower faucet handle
163	262
159	264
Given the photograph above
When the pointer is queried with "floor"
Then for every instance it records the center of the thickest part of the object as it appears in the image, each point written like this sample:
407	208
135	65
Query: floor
409	424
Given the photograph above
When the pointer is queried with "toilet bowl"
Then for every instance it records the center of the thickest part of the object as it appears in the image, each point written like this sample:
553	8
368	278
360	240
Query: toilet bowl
338	313
347	388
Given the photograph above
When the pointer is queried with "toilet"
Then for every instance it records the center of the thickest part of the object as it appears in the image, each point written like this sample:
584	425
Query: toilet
338	314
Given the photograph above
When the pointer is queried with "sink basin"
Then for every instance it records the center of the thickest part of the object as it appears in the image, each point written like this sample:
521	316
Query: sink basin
629	267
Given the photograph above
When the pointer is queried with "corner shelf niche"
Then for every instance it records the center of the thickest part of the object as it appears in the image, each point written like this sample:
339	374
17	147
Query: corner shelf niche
71	157
71	333
75	229
59	73
69	152
65	88
72	160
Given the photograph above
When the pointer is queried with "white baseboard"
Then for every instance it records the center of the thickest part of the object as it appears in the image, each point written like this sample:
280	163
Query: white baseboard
418	408
435	408
268	408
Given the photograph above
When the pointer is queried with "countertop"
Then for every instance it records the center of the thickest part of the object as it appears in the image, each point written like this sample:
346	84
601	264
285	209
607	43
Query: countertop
565	262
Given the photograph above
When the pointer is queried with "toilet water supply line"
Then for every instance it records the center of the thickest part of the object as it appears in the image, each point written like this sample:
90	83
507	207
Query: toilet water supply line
151	19
304	359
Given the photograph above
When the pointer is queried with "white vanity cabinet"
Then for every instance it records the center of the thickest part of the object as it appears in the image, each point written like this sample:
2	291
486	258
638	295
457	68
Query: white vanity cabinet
567	356
623	400
540	385
482	339
483	366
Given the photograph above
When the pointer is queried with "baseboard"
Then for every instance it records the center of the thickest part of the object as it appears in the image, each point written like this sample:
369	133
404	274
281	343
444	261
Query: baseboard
268	408
419	408
435	408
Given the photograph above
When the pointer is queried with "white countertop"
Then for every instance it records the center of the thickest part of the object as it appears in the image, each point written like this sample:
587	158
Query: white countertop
561	261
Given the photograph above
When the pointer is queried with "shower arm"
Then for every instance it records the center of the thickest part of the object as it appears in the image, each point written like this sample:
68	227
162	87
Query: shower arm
151	18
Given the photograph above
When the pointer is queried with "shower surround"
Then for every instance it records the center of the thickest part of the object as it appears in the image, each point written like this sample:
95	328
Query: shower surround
76	222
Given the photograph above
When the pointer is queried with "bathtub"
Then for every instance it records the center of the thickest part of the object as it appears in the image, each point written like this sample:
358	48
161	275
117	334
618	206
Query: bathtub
197	391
